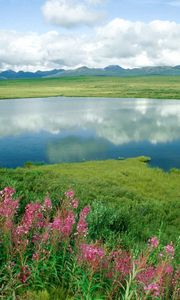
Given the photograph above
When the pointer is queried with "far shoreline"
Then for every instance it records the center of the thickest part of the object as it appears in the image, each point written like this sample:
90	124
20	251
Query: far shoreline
139	87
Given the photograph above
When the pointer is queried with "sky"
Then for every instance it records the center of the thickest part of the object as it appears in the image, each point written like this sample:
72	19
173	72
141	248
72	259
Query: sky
48	34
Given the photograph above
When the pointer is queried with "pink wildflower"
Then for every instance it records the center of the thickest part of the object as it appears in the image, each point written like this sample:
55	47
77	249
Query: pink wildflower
35	238
122	263
69	194
170	250
75	203
153	242
47	203
146	276
85	212
57	224
82	227
9	191
32	214
153	289
8	206
92	255
169	269
68	224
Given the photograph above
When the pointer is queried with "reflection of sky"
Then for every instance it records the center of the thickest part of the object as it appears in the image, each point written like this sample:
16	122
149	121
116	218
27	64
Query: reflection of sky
116	121
77	129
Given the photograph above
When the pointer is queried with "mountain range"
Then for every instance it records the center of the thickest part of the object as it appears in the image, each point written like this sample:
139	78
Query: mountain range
113	70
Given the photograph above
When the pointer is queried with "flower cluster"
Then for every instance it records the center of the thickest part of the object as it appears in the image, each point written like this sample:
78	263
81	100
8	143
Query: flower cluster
44	235
8	207
92	255
82	226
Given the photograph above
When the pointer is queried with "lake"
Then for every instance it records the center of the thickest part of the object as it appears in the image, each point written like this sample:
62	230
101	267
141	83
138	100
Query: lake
54	130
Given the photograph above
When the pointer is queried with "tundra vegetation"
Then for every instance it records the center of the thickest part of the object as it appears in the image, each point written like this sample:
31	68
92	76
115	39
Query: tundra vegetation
92	230
156	87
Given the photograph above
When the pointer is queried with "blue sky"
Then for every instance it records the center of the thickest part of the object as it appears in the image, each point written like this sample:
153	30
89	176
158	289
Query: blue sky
132	33
25	15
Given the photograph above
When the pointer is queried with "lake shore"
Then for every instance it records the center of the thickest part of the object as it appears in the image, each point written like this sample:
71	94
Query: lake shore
150	87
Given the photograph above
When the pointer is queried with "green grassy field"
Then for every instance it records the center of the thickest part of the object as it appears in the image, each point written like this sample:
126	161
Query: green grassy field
129	199
157	87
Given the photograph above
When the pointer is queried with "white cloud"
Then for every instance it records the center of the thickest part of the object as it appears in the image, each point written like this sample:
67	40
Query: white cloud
71	13
133	44
126	43
32	51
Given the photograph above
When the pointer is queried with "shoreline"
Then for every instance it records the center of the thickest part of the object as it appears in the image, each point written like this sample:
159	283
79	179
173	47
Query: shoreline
88	97
145	160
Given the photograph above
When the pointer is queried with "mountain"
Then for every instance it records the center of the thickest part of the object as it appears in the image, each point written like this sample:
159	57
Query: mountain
112	70
9	74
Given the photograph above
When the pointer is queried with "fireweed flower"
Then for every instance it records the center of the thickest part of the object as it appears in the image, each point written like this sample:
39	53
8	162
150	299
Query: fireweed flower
32	215
69	194
153	289
153	242
86	210
68	224
32	219
47	204
8	191
57	223
122	263
8	206
92	255
146	276
64	225
75	203
82	227
169	269
170	250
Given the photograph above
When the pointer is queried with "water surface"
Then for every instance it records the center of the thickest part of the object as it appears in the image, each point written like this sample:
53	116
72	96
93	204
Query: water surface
54	130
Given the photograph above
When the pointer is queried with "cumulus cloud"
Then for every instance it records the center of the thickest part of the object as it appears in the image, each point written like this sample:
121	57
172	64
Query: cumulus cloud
138	43
126	43
32	51
70	13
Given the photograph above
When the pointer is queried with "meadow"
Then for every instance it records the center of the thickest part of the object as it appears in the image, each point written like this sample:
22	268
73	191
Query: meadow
156	87
104	219
98	230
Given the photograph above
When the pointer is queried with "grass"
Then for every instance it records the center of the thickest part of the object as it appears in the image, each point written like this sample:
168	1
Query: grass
129	199
157	87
